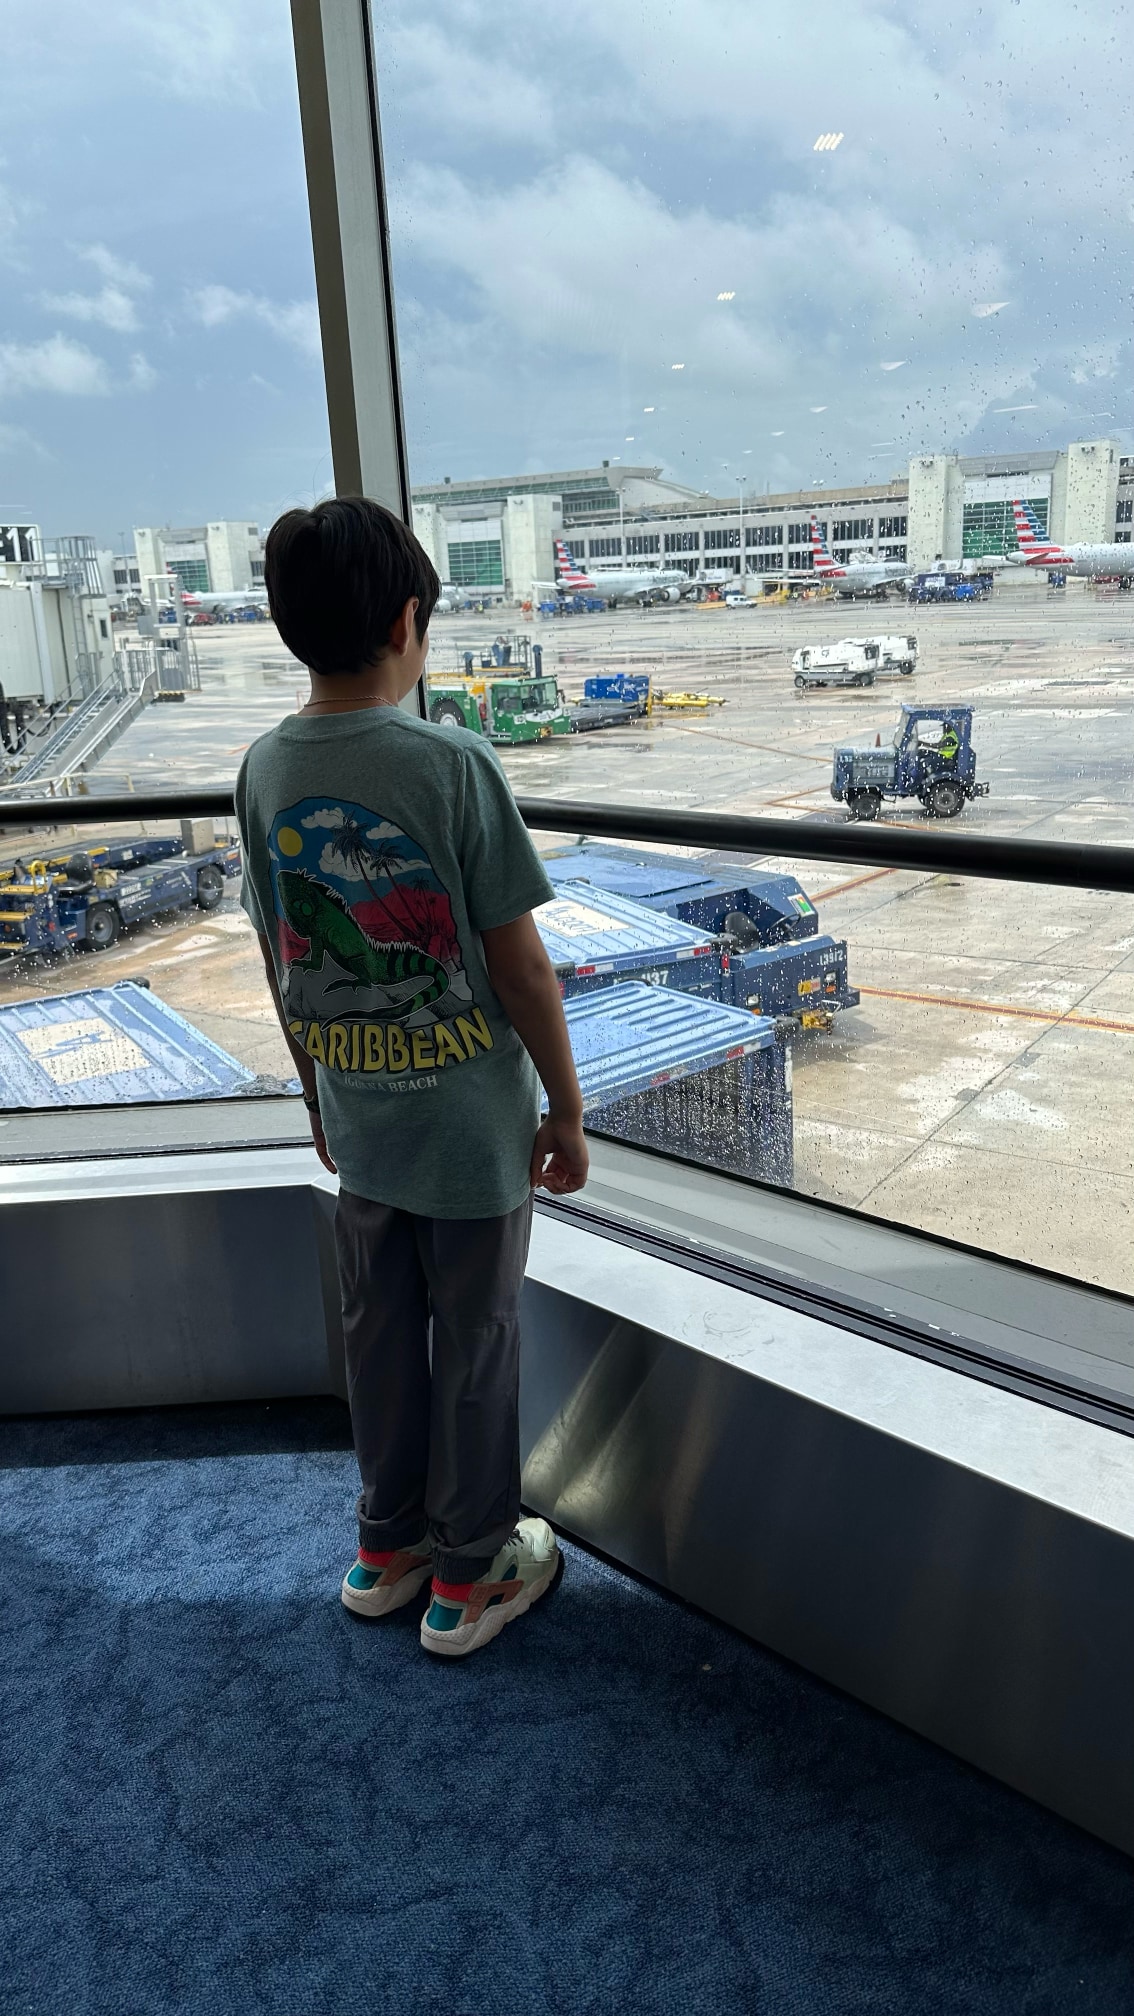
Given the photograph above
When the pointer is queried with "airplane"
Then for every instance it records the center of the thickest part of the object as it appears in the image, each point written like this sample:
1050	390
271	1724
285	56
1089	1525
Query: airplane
857	577
1037	550
209	600
619	584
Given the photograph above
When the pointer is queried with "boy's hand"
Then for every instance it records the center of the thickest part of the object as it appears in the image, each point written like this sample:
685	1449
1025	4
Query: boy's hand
320	1139
559	1157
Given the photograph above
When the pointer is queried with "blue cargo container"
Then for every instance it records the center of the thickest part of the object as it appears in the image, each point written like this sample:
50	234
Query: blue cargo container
632	688
776	962
592	936
690	1076
108	1046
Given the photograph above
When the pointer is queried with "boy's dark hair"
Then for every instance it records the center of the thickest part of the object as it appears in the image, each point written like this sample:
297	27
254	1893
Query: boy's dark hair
338	576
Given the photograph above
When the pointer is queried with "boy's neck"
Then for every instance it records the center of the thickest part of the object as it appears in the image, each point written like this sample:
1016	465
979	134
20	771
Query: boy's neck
373	686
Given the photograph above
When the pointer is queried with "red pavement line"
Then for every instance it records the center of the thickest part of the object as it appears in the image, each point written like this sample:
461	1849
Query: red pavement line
841	888
1000	1008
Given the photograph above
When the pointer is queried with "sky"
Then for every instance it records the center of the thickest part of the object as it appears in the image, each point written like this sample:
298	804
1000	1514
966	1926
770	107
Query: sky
581	200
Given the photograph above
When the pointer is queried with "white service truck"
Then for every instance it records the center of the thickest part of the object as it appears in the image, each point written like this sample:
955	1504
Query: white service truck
853	661
895	654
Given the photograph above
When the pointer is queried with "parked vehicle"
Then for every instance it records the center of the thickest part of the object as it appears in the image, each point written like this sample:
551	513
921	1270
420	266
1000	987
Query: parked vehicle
895	654
845	664
590	714
83	901
931	757
633	689
942	586
687	703
773	959
509	708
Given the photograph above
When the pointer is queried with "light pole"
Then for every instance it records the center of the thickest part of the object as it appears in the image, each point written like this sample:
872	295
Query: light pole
740	483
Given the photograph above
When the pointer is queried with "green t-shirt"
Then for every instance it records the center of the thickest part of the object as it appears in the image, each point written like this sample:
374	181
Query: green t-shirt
377	848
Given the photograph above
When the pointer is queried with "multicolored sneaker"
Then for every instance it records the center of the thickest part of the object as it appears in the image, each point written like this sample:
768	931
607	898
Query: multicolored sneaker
379	1583
463	1616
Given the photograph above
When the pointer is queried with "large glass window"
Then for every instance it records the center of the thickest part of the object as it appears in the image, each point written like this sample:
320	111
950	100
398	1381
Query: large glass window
163	401
952	385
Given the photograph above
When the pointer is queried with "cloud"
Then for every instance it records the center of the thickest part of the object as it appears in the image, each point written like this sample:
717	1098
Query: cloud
895	366
17	441
110	306
142	373
121	273
58	364
982	309
327	815
236	50
466	94
821	282
295	322
113	306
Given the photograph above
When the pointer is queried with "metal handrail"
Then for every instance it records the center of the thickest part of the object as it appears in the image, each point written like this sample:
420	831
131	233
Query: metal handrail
1052	863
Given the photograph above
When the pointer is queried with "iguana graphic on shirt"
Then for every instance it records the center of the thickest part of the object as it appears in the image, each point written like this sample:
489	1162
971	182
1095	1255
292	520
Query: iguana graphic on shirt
364	924
316	913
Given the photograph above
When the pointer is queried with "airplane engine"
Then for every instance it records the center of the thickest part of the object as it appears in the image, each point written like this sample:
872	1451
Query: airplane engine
673	594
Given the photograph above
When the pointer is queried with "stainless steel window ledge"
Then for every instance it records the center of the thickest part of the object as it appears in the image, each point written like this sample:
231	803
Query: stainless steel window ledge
162	1281
1082	1467
956	1555
983	1314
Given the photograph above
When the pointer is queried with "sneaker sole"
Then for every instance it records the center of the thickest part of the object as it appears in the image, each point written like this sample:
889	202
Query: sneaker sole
470	1637
378	1602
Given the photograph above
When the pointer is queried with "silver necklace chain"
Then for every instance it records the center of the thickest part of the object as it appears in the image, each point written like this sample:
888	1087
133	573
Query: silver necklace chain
379	700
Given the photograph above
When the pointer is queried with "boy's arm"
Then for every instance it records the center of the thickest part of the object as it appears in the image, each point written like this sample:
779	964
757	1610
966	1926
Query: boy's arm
303	1064
528	992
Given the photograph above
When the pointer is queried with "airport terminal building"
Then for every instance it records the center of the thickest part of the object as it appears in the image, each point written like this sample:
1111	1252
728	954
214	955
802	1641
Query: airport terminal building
499	533
225	555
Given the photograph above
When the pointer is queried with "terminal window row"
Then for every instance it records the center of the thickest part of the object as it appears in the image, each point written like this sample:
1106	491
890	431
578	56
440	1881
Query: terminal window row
800	563
476	563
192	574
800	533
892	528
604	549
854	528
722	541
644	542
1125	512
682	542
763	535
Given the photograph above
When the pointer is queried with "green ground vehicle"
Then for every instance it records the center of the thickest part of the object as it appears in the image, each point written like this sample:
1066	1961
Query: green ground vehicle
508	707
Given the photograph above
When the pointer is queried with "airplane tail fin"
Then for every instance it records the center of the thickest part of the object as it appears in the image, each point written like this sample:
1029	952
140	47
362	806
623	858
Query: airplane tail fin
569	575
821	560
1029	536
1035	547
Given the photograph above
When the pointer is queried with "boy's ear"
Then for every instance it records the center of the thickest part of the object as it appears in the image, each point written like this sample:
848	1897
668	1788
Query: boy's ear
401	629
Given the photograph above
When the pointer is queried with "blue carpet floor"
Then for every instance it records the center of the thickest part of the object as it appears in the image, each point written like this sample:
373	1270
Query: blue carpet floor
223	1794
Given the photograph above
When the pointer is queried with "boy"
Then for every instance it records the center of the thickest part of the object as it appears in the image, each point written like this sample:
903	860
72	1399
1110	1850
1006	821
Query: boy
391	881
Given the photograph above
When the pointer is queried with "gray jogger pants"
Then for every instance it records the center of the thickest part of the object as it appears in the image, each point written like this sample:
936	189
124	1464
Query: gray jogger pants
436	1433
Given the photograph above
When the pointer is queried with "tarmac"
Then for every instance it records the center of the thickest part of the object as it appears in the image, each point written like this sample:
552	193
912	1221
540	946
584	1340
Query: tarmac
983	1088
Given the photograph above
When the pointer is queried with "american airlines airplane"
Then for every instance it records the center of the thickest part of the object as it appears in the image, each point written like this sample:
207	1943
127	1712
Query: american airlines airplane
1037	550
620	584
212	599
857	577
